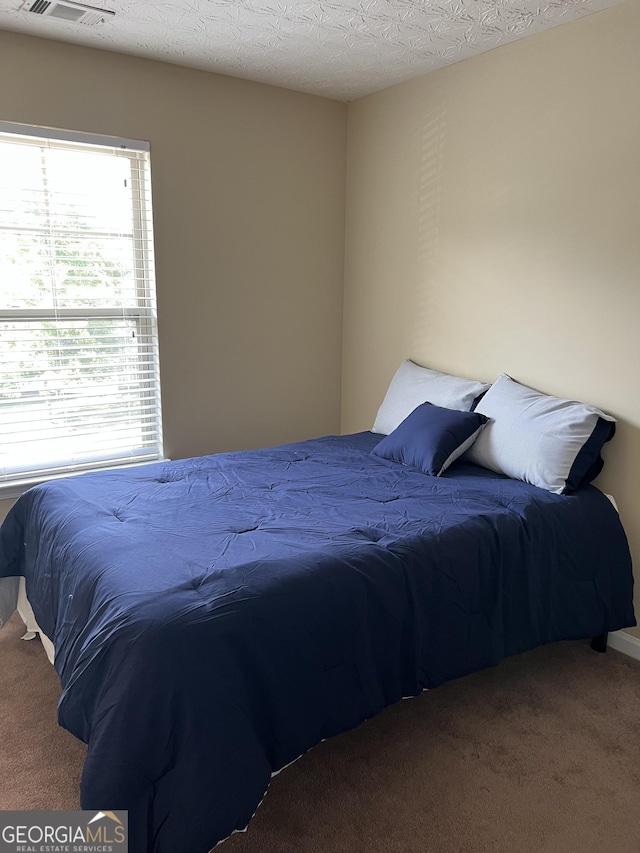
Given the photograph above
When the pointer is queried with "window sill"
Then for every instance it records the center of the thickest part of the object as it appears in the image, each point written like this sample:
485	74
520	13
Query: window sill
11	491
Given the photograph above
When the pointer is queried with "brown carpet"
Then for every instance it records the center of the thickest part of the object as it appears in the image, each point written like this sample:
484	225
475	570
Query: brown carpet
539	755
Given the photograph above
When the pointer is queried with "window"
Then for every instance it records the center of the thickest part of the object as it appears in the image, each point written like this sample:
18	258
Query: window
79	383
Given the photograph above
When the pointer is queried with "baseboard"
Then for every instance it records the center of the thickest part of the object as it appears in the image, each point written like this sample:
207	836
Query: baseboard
625	643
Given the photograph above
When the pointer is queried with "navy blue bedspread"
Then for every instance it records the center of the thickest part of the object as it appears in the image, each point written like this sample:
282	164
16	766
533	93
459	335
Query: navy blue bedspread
214	618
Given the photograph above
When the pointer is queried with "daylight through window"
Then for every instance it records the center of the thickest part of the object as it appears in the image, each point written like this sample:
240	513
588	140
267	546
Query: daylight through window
79	385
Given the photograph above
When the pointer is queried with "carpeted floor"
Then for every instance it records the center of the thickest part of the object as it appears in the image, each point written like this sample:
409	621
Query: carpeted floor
539	755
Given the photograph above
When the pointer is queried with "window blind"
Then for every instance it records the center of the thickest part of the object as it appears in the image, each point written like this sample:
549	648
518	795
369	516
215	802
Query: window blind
79	379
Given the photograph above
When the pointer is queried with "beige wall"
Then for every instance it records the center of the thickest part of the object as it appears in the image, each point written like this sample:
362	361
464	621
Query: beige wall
248	190
493	224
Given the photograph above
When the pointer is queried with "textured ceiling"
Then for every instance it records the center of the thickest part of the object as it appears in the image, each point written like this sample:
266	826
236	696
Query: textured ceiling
341	49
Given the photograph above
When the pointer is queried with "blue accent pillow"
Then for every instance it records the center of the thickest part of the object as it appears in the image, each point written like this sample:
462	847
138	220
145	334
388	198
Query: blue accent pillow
431	438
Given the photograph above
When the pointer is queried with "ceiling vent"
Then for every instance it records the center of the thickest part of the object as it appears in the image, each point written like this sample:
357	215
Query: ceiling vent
67	10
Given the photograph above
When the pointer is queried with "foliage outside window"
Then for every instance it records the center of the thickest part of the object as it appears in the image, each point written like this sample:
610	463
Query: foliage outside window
79	385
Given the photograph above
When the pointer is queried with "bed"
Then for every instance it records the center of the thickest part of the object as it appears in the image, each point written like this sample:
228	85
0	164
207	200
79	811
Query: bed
215	618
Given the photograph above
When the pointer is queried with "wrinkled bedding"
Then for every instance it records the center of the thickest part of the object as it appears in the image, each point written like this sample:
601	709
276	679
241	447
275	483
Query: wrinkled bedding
214	618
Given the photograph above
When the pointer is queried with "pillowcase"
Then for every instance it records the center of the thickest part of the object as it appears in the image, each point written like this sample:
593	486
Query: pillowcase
431	438
413	385
546	441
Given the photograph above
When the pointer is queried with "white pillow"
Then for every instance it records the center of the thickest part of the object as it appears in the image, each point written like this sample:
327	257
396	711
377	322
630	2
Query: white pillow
413	385
546	441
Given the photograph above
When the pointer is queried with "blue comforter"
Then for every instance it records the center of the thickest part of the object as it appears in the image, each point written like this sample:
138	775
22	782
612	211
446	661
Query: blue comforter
215	618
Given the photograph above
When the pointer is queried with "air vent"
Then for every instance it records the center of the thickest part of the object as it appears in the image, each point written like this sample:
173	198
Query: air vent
66	10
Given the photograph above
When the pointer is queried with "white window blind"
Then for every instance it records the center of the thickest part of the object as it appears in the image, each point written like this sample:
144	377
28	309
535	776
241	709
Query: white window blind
79	382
